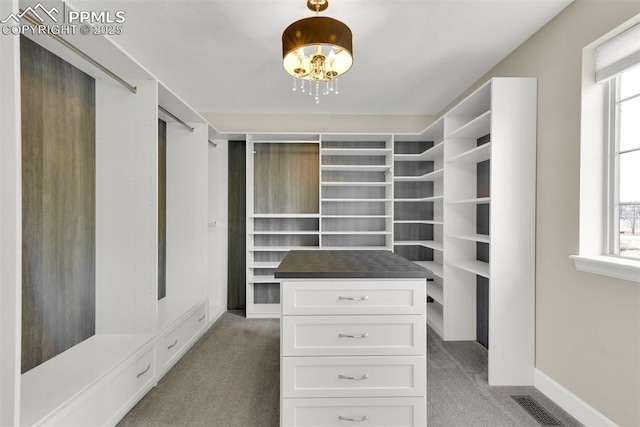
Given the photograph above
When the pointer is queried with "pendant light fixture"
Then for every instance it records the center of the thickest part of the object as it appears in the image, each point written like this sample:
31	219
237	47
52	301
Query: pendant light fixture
317	50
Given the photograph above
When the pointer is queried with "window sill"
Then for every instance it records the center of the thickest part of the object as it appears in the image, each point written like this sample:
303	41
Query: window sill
619	268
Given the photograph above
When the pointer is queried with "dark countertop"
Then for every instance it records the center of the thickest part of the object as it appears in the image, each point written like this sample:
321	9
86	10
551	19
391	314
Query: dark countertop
330	264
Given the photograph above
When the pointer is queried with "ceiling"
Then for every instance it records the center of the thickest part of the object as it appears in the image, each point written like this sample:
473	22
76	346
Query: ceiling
410	57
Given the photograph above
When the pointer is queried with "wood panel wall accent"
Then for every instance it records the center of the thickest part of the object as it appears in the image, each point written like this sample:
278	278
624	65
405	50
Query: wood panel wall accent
286	178
162	209
237	243
58	205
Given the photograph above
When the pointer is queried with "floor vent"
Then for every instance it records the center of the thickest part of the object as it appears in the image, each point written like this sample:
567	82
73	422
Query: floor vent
541	415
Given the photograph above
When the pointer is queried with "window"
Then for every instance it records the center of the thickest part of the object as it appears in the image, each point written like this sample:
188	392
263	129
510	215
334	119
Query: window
610	155
624	167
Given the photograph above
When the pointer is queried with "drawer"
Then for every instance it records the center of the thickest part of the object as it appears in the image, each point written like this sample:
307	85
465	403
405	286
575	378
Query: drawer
118	395
367	376
378	412
353	335
406	296
174	342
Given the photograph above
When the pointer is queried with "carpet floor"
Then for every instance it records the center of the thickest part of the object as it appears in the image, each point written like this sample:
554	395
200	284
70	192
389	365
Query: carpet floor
230	378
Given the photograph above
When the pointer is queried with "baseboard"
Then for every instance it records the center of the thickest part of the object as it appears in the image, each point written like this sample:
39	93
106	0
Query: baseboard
568	401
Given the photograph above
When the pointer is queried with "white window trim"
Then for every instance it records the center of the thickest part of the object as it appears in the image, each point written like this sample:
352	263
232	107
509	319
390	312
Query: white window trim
605	265
595	186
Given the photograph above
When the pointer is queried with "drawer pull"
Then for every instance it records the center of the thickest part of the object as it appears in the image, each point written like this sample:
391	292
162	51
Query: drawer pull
343	298
173	345
347	377
341	335
362	418
144	372
202	318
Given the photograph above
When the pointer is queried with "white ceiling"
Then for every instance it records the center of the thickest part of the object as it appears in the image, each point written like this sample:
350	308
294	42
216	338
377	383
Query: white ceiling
410	57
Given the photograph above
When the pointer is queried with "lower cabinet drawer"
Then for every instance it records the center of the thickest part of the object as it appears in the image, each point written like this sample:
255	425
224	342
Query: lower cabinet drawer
379	412
353	335
368	376
119	394
171	345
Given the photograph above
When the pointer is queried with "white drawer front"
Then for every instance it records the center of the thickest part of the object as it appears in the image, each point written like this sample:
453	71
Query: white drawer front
118	395
367	376
378	412
174	342
354	297
353	335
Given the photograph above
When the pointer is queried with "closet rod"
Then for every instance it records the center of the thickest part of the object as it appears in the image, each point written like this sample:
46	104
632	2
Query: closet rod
80	53
175	118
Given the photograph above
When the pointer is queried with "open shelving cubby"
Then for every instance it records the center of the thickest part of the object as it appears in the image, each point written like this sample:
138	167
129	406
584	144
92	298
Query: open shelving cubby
356	191
283	205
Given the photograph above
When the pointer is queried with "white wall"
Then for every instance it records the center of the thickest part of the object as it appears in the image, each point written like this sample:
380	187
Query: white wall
587	326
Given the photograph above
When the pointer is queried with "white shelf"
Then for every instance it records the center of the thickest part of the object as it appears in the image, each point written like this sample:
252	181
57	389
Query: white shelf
434	318
283	232
266	264
284	216
475	155
418	221
426	243
431	154
482	238
433	266
282	248
357	168
476	128
355	184
355	233
355	151
435	292
357	200
355	216
476	267
423	199
263	279
479	200
431	176
355	248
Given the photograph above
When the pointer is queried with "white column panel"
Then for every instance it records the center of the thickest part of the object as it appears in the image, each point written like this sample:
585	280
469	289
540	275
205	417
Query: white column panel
126	208
218	226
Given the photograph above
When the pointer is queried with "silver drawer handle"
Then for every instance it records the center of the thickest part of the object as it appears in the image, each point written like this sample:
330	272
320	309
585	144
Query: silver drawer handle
144	372
341	335
343	298
202	318
362	418
347	377
173	345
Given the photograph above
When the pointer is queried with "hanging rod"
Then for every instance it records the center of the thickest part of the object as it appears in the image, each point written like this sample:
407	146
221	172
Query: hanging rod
175	118
80	53
215	144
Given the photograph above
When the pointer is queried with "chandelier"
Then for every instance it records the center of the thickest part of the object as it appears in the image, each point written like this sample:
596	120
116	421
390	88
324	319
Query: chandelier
317	50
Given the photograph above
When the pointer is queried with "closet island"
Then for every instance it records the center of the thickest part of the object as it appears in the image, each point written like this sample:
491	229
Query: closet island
352	338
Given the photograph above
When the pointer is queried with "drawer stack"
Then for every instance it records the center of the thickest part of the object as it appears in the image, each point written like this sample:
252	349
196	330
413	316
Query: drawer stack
353	351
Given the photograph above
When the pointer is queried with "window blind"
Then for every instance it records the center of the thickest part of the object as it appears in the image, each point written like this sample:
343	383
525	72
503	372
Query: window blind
618	54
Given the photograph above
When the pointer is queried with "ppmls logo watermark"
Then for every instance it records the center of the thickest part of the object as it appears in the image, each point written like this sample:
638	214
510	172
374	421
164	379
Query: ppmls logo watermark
43	20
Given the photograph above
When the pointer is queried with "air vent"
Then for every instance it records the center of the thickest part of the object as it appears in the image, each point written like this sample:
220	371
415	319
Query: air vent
541	415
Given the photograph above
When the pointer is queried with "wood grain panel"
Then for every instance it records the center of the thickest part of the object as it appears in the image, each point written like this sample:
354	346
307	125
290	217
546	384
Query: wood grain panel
236	243
266	293
286	178
411	147
58	202
162	209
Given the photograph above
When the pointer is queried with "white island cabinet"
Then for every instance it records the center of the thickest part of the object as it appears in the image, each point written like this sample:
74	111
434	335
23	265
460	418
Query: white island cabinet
353	339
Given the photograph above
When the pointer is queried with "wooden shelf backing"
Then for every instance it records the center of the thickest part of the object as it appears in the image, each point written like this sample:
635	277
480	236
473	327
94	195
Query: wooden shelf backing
356	168
355	184
355	151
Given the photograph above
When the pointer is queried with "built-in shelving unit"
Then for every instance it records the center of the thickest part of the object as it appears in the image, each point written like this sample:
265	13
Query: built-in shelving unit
489	225
418	210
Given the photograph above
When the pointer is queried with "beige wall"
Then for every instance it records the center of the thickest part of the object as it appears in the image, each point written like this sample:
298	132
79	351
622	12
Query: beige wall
587	326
